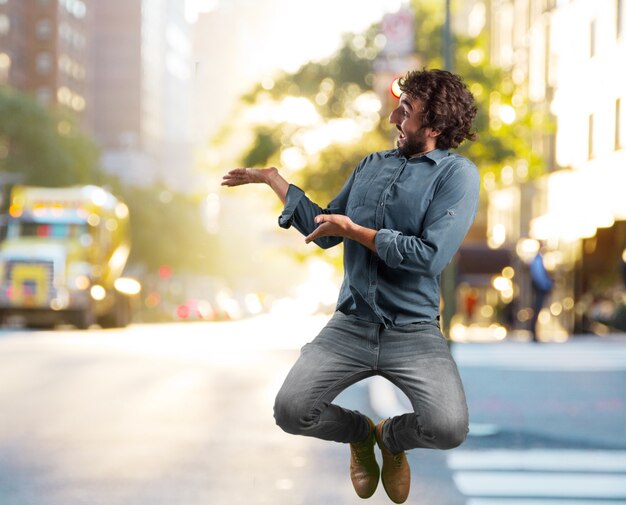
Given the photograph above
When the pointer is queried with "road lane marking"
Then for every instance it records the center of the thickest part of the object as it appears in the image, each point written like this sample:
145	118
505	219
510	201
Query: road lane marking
546	485
538	501
539	460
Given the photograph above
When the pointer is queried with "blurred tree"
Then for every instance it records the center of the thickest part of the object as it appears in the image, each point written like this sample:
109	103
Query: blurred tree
334	88
506	123
167	229
44	146
265	145
47	148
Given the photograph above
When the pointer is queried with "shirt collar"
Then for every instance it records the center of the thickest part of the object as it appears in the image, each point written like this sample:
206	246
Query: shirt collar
437	155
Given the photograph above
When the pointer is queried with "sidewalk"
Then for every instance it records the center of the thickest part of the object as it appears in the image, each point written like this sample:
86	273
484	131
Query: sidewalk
578	353
524	336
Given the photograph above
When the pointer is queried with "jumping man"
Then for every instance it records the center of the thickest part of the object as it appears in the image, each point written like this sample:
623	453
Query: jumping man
401	217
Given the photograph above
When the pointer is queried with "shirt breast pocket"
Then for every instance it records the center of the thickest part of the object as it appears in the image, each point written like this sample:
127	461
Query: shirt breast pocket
405	217
363	193
362	211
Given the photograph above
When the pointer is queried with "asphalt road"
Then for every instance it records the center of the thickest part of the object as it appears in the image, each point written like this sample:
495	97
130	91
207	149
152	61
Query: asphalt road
182	415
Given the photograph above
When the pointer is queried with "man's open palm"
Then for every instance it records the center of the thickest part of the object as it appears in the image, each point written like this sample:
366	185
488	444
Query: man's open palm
240	176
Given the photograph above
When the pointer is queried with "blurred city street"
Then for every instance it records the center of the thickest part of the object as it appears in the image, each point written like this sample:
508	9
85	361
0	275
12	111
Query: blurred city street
182	414
150	311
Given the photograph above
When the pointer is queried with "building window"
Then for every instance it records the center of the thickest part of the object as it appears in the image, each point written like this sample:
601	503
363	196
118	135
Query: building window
44	29
619	143
43	63
5	24
77	8
547	72
592	39
590	138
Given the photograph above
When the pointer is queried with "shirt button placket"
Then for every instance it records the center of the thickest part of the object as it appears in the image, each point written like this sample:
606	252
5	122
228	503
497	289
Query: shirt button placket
380	211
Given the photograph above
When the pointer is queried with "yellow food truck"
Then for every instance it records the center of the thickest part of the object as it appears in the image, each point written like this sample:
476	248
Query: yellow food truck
63	256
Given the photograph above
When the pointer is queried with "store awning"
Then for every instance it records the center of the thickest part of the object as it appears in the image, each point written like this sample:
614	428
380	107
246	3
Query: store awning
481	260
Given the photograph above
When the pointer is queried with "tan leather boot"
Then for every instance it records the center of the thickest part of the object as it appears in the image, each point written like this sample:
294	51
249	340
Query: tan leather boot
396	474
364	471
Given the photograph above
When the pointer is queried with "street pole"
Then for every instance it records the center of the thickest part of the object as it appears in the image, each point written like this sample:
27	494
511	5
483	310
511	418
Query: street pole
447	39
448	276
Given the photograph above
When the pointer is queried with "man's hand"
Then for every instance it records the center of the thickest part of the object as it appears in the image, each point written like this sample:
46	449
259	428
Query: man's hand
337	225
241	176
269	176
331	225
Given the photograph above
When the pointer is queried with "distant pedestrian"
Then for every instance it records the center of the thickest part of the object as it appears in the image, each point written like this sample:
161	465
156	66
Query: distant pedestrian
542	285
401	217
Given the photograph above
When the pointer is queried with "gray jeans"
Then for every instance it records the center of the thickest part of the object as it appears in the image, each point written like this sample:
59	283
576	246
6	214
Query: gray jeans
415	358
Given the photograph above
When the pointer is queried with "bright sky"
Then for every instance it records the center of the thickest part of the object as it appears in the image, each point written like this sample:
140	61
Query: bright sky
253	38
288	33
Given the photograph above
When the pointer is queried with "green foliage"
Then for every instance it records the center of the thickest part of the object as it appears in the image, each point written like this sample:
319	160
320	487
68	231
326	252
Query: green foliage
333	86
45	147
429	19
498	144
167	229
264	147
351	65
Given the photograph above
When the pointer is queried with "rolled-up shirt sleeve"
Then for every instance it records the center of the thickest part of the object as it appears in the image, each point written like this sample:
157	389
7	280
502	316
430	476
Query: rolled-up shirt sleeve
386	242
294	195
299	211
446	223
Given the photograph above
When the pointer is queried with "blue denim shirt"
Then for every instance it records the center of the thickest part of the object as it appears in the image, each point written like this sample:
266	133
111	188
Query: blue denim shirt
422	208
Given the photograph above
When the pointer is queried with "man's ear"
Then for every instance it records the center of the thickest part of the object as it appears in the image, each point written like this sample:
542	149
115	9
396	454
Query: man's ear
434	133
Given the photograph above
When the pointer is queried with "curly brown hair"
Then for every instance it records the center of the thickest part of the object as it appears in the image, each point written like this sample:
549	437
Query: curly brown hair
448	105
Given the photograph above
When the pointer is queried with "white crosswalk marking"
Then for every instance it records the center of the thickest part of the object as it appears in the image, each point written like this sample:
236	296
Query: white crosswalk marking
535	477
498	501
539	460
560	485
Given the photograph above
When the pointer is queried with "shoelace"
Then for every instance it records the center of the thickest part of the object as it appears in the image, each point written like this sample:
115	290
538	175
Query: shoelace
361	454
362	451
398	460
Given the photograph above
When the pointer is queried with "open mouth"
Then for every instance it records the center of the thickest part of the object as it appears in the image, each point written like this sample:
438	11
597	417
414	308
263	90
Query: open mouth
401	135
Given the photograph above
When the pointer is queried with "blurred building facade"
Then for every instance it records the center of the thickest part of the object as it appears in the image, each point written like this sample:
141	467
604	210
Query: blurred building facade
142	78
219	75
45	50
125	67
565	57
